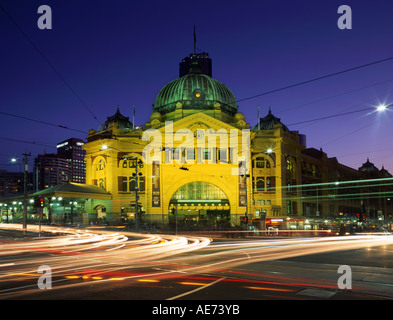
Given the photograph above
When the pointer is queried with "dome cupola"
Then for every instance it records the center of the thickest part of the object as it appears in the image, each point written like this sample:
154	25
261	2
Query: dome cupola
121	121
268	123
195	91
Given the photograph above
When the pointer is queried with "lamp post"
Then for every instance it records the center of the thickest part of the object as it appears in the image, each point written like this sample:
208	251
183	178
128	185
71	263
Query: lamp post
25	192
138	164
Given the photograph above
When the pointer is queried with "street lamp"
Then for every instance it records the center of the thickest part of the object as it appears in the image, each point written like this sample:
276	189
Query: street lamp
15	161
138	164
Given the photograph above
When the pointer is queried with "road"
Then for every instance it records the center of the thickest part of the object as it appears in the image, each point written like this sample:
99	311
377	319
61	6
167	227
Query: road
100	265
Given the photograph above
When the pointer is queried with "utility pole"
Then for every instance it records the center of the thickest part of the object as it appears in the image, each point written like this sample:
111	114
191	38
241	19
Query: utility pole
136	196
25	191
138	164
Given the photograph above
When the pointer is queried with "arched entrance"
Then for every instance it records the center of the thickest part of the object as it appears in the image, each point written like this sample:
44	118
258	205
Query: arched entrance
199	205
100	214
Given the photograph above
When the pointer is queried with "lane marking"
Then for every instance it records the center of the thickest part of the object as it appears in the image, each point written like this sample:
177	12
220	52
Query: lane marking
195	290
324	294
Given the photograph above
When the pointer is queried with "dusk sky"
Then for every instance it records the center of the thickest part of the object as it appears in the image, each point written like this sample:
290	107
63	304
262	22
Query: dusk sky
100	54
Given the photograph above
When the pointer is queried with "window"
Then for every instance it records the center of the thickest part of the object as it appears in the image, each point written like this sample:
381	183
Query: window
289	165
223	155
207	154
100	165
270	183
128	184
261	163
190	154
176	154
199	191
101	183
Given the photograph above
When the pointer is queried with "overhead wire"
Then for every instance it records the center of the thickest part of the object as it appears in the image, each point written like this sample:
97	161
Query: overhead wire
42	122
316	79
49	63
27	142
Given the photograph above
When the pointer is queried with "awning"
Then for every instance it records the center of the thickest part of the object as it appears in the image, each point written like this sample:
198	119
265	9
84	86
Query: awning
73	190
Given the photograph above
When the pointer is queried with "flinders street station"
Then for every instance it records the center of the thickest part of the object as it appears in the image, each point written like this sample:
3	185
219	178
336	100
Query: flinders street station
211	169
198	164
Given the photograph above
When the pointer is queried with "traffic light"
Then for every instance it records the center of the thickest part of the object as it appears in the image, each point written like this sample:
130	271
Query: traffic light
39	202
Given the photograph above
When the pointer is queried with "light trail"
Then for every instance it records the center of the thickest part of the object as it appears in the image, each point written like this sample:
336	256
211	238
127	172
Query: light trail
79	257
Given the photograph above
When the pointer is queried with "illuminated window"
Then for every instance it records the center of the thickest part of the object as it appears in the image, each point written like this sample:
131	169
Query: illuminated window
199	191
261	163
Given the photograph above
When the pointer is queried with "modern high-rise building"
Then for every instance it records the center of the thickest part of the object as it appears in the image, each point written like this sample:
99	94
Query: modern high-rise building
50	170
12	183
73	151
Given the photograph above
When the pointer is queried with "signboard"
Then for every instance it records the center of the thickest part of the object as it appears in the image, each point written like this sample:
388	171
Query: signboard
242	184
156	191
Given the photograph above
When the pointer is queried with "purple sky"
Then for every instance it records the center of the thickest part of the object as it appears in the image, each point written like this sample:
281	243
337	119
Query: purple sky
123	52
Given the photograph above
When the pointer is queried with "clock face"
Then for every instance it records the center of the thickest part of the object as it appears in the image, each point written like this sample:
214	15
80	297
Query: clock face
199	133
198	95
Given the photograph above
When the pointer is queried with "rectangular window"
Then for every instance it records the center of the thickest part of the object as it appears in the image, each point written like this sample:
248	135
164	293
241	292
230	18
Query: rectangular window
141	181
176	154
131	184
132	163
190	154
270	183
260	164
207	154
200	155
124	184
223	155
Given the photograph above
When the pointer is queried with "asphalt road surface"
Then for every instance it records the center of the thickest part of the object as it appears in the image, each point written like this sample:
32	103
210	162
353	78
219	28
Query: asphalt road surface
93	264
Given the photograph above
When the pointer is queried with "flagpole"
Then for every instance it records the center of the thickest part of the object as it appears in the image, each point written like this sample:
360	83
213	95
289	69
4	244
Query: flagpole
194	41
133	116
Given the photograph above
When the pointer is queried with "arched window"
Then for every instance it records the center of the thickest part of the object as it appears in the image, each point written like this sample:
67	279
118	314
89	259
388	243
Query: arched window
260	185
199	192
100	165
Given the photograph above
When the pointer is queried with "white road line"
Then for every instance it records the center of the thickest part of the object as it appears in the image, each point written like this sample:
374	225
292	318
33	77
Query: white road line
195	290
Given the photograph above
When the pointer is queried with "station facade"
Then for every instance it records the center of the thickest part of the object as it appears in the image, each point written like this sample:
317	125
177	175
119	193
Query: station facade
198	161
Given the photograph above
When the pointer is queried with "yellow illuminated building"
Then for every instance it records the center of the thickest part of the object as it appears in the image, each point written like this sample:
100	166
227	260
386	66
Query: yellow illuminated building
198	161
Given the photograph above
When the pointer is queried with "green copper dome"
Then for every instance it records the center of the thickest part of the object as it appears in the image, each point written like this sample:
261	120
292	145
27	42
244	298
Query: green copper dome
195	91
